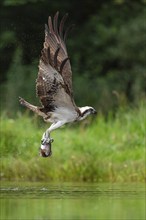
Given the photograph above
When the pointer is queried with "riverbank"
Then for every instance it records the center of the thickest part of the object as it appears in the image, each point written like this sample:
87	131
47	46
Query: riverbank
101	150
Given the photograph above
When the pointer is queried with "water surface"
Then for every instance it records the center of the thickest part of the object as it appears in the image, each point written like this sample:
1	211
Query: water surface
41	201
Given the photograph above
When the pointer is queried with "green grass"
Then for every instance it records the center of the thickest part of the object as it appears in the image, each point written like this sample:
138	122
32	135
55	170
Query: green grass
101	150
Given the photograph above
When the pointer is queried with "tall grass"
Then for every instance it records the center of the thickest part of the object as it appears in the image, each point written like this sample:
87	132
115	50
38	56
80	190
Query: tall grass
111	149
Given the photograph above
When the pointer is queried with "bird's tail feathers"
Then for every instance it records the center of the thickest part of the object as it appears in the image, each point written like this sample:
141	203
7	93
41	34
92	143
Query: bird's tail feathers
31	107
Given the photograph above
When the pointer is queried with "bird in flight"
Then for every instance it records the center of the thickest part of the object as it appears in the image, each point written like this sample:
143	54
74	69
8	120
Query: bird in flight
54	84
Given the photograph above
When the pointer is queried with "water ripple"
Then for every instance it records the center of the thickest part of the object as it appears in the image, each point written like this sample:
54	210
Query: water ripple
71	191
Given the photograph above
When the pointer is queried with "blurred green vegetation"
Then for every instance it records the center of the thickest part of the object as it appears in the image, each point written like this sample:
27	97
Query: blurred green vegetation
107	51
111	149
106	48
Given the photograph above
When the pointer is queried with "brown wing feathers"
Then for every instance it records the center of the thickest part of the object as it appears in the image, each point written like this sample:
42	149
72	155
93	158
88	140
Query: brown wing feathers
56	53
54	58
54	42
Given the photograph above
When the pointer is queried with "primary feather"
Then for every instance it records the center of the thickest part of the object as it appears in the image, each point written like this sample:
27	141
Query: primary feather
54	81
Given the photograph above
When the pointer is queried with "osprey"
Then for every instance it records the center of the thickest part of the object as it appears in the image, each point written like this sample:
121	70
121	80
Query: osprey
54	84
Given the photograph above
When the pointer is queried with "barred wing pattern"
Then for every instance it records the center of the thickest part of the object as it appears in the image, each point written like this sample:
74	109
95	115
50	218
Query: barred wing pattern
54	82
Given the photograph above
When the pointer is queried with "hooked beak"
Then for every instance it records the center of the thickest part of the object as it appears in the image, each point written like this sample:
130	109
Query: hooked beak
94	112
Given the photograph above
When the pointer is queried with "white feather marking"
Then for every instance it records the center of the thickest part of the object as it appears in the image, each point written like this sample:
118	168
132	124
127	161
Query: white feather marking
44	79
63	114
82	109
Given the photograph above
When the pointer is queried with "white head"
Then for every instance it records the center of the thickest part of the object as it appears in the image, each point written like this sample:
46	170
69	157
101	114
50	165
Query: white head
85	111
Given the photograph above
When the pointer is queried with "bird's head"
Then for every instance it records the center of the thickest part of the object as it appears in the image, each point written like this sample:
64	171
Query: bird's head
85	111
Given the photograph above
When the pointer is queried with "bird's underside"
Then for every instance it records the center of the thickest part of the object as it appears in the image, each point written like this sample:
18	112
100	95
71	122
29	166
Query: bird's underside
54	83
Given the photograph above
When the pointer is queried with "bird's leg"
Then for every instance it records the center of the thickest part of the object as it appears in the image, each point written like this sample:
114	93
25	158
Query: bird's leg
46	141
46	136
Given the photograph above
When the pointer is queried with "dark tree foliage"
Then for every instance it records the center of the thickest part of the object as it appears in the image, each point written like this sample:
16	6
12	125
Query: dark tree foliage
106	47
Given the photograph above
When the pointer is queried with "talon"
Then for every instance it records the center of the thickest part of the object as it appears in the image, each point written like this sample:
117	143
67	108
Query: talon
43	141
47	141
51	140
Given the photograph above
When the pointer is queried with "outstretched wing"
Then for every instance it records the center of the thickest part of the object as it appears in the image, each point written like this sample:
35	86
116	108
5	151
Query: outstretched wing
54	82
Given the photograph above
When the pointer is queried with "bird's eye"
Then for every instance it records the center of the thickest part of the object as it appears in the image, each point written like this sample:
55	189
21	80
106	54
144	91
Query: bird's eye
93	111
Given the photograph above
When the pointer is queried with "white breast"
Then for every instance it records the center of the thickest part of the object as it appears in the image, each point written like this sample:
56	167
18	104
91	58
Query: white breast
66	114
63	114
